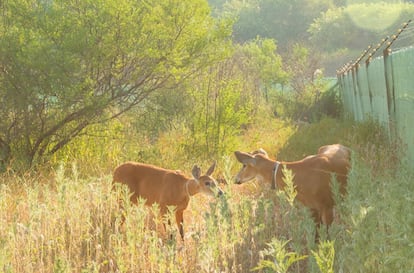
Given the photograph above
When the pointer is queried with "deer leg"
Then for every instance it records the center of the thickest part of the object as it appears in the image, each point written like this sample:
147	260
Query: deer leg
327	216
324	217
180	222
316	215
162	215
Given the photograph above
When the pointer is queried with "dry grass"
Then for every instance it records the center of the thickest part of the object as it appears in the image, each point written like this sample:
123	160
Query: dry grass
74	225
65	221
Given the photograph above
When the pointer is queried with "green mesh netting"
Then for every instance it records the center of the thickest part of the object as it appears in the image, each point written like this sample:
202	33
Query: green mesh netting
376	82
363	86
347	94
357	105
403	88
385	93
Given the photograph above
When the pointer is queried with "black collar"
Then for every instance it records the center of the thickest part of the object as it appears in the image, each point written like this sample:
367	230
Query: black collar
274	173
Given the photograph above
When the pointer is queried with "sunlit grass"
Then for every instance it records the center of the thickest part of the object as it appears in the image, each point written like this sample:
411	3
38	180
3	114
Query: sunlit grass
74	225
65	220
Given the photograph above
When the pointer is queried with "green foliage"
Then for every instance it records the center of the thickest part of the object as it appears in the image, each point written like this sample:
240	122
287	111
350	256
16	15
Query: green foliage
355	26
67	65
161	112
98	142
325	256
103	58
266	131
70	221
366	15
289	191
211	111
280	259
219	117
309	137
311	105
301	65
261	64
226	97
284	21
376	217
307	96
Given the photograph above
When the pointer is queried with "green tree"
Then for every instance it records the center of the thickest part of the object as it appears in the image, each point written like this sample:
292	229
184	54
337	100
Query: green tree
66	64
227	95
211	109
261	65
285	21
356	26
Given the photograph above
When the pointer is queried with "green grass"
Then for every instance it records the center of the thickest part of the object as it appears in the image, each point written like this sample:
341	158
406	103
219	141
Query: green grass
67	220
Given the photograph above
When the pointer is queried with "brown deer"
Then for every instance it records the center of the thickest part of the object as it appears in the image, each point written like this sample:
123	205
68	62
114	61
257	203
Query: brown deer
336	152
312	176
165	187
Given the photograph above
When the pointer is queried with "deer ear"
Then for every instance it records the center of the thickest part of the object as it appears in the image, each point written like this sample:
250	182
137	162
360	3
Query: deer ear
211	169
245	158
196	172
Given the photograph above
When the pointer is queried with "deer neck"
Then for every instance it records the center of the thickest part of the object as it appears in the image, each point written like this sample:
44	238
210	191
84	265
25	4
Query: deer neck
267	173
191	187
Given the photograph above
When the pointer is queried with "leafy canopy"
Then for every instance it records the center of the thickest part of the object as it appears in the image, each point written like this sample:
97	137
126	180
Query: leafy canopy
66	64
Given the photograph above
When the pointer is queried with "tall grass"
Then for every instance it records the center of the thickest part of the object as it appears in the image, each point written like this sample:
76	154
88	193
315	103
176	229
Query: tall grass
70	221
75	225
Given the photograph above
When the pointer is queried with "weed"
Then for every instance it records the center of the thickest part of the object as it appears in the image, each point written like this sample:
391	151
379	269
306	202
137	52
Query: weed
276	258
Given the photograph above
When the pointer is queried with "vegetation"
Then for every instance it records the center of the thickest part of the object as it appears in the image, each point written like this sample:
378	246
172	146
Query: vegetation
69	221
86	85
67	65
336	31
105	58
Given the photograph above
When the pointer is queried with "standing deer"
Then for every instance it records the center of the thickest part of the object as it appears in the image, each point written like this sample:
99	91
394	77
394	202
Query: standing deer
312	176
165	187
337	153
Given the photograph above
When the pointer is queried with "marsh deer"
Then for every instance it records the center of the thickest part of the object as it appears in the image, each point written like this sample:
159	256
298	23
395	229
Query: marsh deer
312	176
165	187
337	153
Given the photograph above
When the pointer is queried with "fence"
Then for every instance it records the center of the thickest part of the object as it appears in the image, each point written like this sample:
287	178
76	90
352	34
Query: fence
382	88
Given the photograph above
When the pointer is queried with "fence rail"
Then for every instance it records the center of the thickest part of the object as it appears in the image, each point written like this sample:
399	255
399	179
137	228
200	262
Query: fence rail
379	84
